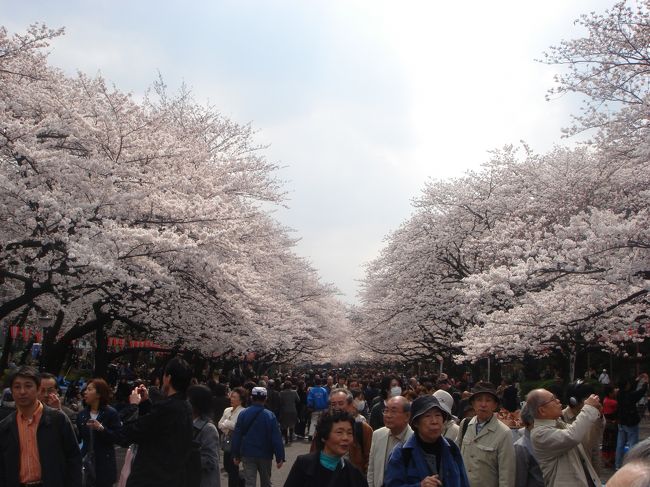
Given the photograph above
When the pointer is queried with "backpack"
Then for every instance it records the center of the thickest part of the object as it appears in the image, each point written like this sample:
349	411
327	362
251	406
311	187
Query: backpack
193	466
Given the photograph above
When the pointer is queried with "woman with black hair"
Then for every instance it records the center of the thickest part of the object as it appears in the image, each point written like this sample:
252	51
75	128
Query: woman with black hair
205	433
327	466
427	458
98	424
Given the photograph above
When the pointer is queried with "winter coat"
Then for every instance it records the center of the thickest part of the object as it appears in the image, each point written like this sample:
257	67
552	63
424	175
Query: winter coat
379	454
163	433
257	435
409	469
489	456
289	404
307	472
57	448
559	451
628	414
103	442
206	434
528	472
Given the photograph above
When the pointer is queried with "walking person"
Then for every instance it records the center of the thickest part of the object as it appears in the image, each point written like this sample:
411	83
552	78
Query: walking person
227	427
317	404
610	410
289	404
256	439
205	434
628	414
98	424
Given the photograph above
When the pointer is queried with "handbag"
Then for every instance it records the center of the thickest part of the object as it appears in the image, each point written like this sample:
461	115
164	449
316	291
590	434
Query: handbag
88	472
226	444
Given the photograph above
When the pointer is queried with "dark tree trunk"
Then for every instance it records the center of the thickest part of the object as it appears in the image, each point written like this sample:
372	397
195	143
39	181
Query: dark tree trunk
101	353
26	352
54	351
6	351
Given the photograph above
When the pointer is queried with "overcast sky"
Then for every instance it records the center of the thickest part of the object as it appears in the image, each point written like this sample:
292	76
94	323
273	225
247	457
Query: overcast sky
360	101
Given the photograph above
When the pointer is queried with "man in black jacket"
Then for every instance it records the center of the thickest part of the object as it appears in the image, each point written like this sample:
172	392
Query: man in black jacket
162	431
38	446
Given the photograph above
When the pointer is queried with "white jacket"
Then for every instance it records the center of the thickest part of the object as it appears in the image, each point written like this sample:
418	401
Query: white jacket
229	420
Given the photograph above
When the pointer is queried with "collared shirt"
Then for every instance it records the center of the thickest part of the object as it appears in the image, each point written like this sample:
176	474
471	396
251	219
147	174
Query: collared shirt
393	440
30	462
480	426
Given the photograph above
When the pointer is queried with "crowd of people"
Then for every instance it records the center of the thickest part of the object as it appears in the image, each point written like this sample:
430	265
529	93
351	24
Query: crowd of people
363	429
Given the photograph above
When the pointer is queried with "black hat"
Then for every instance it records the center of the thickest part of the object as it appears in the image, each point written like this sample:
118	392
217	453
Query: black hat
423	404
484	388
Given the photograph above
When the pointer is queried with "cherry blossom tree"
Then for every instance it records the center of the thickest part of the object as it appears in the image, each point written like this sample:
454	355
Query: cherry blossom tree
146	218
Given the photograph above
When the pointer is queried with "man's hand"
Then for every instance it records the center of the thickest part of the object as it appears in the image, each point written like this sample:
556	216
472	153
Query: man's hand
143	391
54	401
135	398
431	481
594	401
279	464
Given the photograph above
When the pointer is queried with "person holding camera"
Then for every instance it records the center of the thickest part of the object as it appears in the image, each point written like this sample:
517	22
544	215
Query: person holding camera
162	431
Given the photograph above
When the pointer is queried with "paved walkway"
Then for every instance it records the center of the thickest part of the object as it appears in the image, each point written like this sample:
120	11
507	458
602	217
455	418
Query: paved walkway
279	476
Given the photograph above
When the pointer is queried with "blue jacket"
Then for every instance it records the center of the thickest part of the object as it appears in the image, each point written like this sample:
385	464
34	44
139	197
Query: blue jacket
103	442
410	469
262	438
318	398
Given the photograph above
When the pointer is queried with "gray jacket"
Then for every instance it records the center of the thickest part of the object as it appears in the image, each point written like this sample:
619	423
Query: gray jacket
205	433
528	472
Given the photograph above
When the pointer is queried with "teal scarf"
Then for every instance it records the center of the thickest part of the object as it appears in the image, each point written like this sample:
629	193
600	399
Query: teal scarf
329	462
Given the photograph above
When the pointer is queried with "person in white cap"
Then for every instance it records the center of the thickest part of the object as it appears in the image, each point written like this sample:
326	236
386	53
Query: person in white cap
450	430
256	439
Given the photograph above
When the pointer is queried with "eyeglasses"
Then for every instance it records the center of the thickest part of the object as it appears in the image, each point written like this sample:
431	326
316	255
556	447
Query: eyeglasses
549	401
389	412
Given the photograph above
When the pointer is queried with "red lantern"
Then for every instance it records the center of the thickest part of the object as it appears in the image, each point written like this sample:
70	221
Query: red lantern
26	334
13	331
39	336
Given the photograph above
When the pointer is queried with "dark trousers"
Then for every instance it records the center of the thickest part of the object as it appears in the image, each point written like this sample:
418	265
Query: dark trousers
234	479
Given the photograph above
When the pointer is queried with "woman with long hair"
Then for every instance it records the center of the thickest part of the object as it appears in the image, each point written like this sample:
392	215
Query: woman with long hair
98	424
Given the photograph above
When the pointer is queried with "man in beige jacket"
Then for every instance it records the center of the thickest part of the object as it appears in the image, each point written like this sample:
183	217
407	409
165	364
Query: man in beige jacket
396	430
558	446
486	443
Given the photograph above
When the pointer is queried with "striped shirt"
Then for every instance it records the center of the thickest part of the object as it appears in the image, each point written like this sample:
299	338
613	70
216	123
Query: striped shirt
30	462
